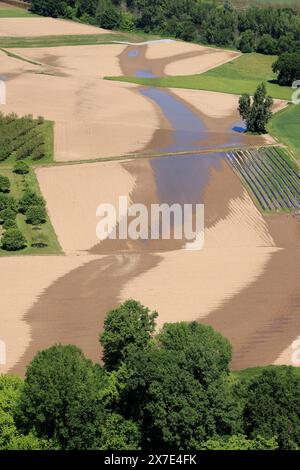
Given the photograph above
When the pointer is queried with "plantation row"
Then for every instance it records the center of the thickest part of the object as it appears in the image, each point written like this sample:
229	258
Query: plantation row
21	138
15	213
271	176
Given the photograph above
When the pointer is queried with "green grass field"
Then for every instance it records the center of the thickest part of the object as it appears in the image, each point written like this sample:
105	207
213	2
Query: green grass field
15	13
285	127
241	75
18	182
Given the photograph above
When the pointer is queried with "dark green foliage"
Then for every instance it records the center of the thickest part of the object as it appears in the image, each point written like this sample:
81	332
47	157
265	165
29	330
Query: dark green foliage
288	68
8	202
267	45
13	240
30	199
269	30
273	407
247	41
61	398
202	351
21	168
127	328
36	215
7	214
172	391
10	223
4	184
258	113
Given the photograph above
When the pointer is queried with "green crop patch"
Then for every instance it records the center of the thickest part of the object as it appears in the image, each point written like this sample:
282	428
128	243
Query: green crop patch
271	177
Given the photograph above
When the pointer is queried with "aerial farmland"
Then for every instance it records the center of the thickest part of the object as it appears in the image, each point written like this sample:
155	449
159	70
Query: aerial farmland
94	113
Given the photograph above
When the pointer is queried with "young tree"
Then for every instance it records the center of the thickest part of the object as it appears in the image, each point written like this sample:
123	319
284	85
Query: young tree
62	399
7	202
258	113
21	168
128	327
13	240
36	215
30	198
4	184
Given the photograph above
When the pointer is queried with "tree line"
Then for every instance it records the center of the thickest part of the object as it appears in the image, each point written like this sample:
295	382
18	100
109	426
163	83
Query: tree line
272	31
172	390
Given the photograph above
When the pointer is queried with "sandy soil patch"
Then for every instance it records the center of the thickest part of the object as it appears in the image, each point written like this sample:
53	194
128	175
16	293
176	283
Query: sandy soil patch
23	280
87	61
93	118
73	194
208	57
30	27
238	247
214	104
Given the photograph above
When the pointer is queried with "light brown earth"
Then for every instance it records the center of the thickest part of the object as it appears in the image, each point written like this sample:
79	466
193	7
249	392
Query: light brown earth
243	279
36	26
93	118
6	6
23	283
91	61
72	207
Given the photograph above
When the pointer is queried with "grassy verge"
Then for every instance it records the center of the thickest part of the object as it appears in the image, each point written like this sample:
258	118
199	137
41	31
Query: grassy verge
285	127
241	75
72	40
18	182
15	13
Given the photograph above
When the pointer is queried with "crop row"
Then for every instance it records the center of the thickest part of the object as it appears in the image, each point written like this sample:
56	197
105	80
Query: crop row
21	138
271	176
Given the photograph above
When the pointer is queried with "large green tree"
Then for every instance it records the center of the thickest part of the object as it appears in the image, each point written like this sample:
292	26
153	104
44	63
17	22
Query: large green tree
287	66
258	112
127	328
62	399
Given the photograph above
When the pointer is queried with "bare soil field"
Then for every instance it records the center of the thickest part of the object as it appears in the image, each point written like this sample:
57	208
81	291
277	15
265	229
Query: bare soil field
85	61
244	282
23	281
37	26
93	118
72	206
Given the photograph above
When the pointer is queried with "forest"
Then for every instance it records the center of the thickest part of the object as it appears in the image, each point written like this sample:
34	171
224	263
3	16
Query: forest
171	389
264	30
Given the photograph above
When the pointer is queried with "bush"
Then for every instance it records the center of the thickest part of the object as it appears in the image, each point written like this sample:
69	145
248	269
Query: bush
8	202
10	223
21	168
36	215
13	240
4	184
7	214
30	198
